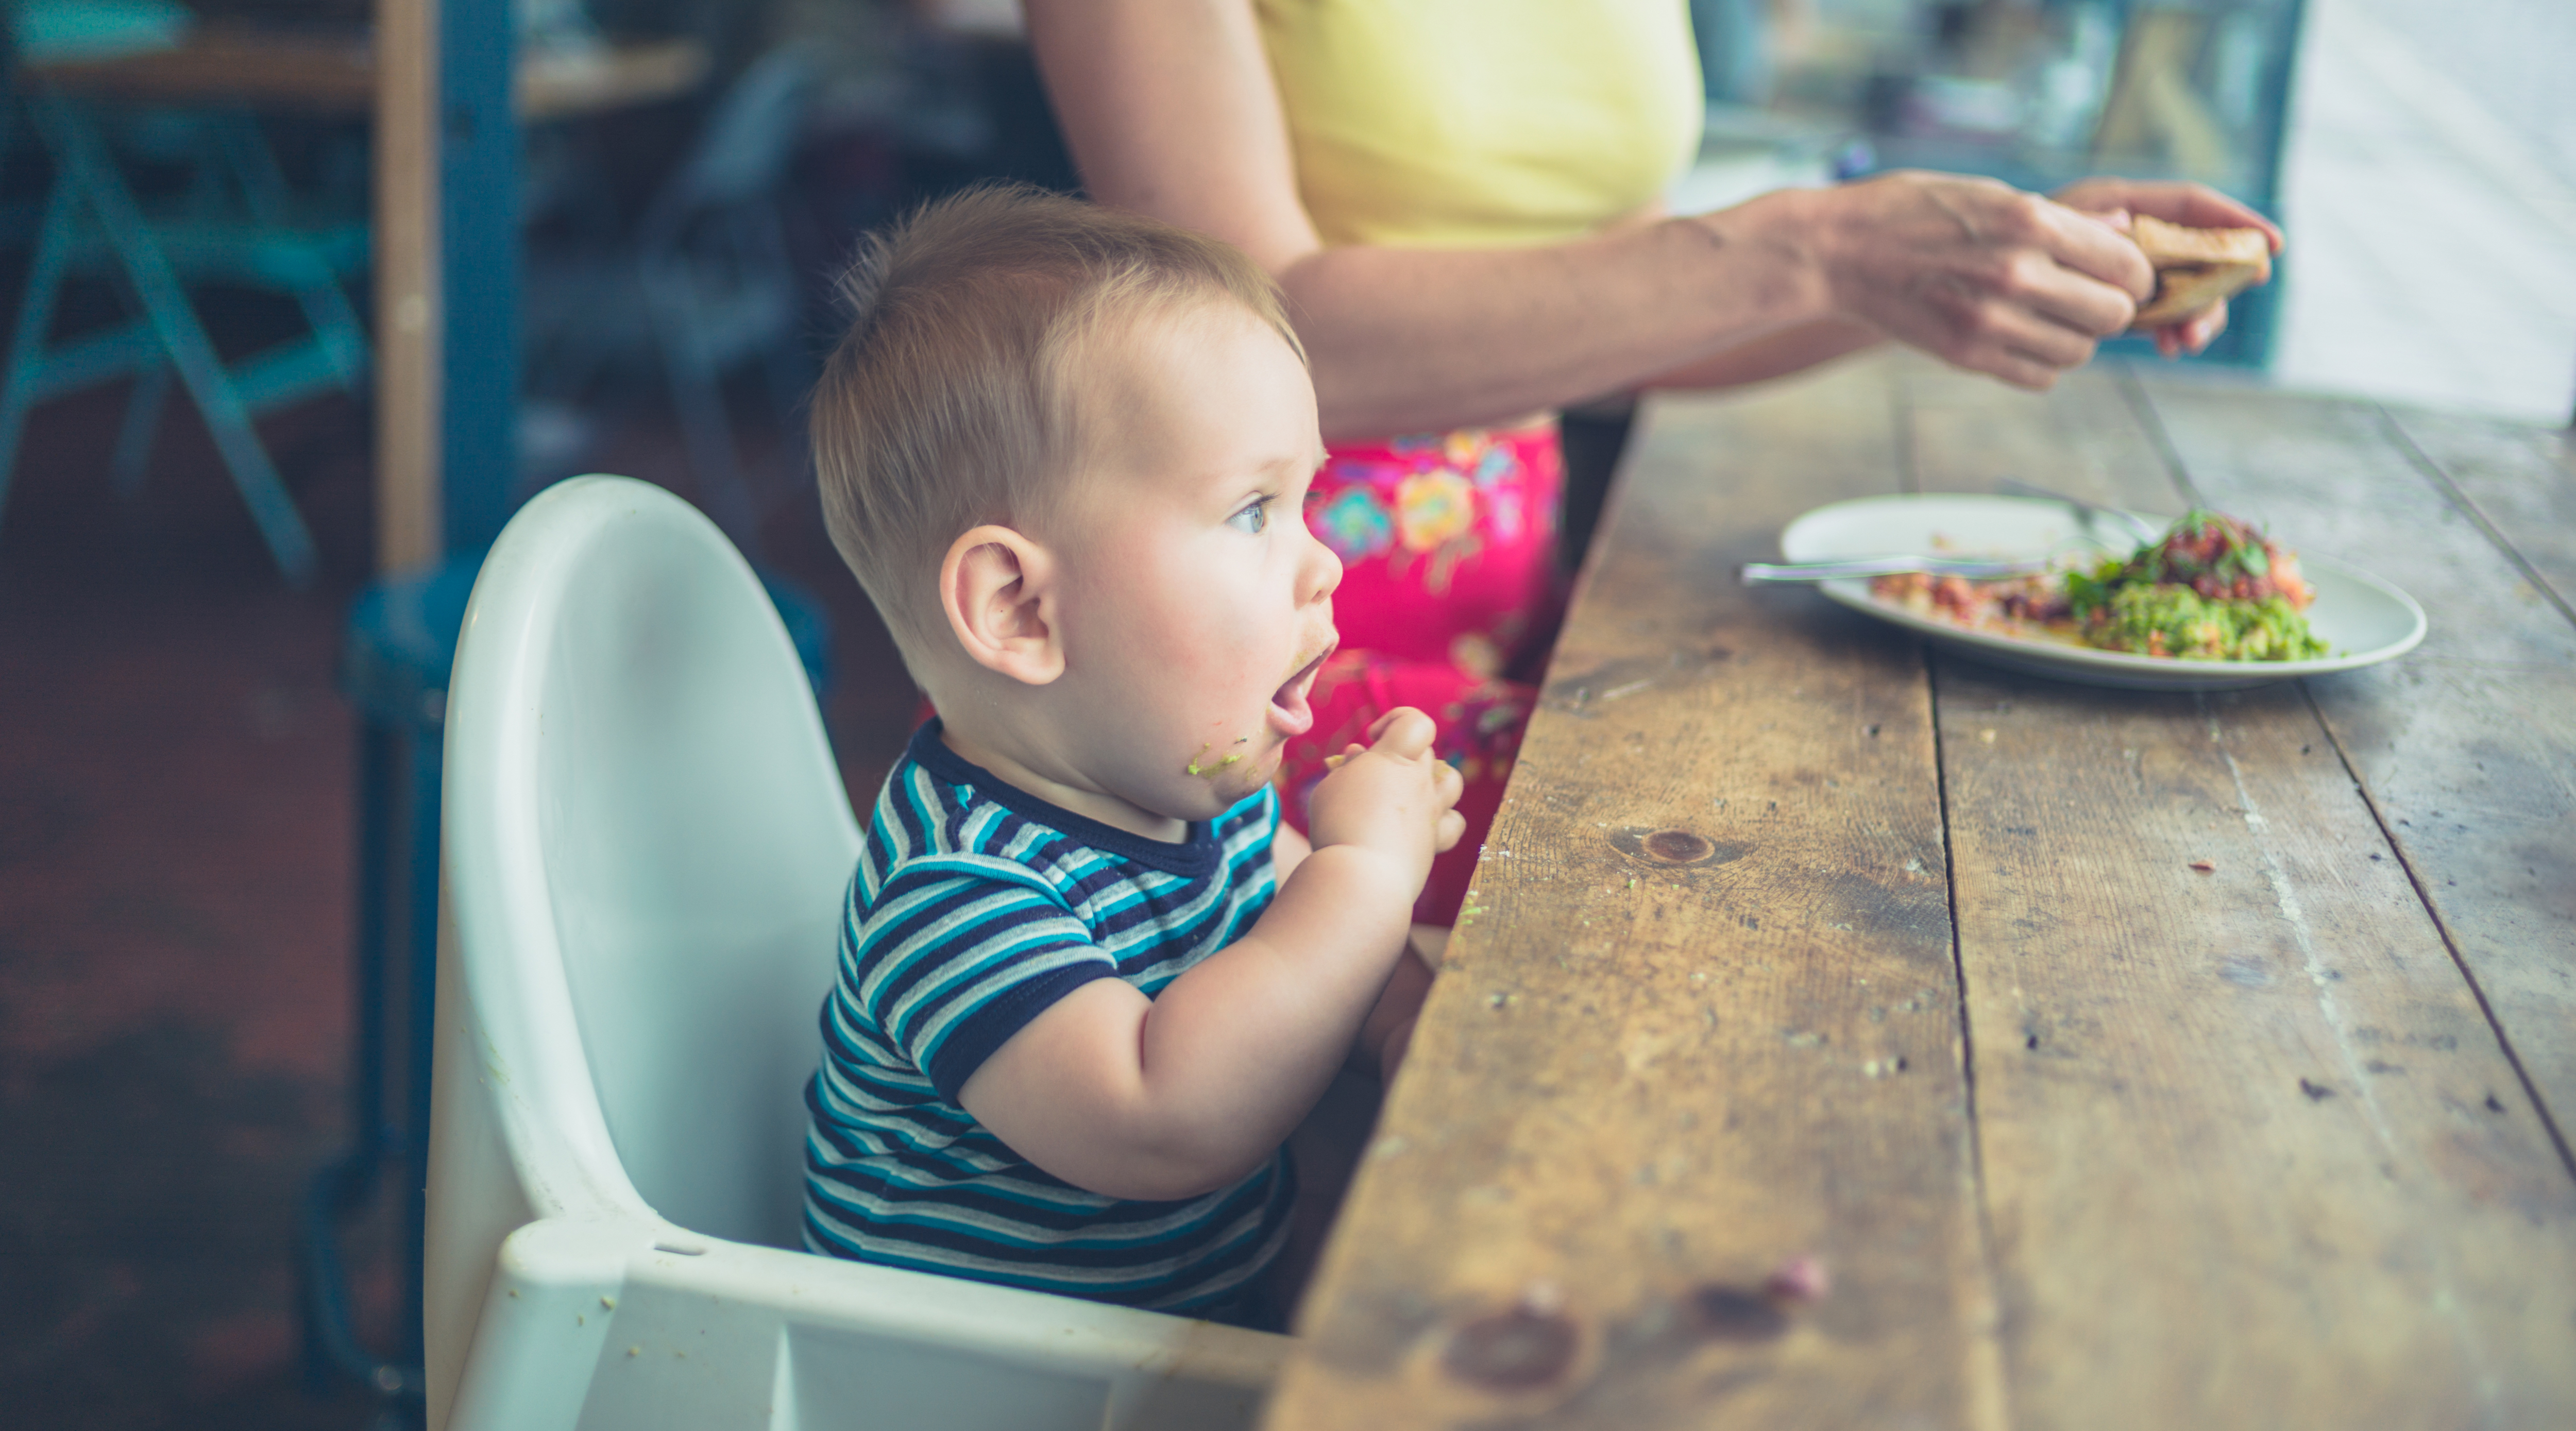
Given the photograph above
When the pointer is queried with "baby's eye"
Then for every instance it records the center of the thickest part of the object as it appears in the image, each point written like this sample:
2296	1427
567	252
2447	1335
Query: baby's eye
1254	519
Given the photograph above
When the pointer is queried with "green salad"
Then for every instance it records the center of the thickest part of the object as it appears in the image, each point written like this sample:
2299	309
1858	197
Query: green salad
2211	589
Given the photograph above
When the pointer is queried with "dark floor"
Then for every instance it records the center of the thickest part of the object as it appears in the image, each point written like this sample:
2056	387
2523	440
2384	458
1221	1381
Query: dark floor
175	904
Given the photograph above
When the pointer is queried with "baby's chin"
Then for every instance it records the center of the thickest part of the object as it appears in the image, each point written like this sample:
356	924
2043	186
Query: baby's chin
1233	791
1209	790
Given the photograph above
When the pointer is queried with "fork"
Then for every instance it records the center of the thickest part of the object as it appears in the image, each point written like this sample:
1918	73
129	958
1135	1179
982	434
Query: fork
2085	512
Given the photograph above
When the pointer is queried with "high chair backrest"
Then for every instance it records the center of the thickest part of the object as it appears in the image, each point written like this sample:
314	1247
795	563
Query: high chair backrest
645	855
676	834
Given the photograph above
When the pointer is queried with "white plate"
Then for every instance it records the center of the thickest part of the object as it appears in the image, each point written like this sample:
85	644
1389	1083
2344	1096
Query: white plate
2362	619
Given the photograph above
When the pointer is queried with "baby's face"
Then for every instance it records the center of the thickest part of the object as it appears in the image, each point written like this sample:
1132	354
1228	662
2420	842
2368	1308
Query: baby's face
1198	605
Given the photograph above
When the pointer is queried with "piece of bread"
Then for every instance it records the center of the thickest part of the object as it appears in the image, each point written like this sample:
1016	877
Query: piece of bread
2197	267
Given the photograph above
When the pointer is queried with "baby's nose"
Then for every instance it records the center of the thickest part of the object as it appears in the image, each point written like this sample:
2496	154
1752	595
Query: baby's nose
1321	574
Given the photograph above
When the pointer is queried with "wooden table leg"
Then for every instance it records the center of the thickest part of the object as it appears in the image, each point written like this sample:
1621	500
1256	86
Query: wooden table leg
408	319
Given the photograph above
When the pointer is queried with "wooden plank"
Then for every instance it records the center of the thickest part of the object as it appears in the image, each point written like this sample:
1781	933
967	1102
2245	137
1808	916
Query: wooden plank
2252	1154
1966	432
1700	1017
332	70
2519	481
324	71
2467	747
409	322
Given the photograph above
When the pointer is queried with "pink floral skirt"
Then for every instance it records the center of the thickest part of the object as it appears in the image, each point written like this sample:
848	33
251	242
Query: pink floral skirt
1449	591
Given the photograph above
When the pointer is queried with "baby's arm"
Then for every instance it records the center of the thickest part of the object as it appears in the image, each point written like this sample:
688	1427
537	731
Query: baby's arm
1388	1029
1189	1091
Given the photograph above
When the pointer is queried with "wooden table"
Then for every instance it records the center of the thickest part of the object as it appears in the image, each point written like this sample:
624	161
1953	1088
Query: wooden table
1795	938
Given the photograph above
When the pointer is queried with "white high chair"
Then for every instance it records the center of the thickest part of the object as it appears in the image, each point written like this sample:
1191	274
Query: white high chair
647	844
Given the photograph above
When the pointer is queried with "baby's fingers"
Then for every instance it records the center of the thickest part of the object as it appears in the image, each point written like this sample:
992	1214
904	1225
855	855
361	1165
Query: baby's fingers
1447	783
1446	834
1403	733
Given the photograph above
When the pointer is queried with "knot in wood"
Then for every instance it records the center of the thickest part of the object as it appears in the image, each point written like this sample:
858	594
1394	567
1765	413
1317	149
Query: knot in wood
1673	849
1731	1314
1679	847
1515	1350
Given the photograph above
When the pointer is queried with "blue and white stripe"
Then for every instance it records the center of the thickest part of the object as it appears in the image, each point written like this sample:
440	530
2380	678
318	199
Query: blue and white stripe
974	908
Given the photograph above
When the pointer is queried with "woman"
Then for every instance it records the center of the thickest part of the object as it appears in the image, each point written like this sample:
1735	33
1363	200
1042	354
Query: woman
1460	200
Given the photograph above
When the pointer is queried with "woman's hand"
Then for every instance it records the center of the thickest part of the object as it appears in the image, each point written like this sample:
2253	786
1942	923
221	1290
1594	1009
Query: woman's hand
1393	797
2195	206
2191	205
1976	272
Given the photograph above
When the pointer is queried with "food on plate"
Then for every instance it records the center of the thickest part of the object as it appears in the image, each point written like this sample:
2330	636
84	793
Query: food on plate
2196	267
2210	589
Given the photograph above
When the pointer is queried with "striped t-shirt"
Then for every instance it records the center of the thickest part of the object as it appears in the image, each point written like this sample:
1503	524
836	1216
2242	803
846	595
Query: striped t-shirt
976	906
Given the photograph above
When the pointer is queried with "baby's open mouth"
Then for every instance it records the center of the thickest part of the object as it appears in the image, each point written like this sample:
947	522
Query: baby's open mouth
1289	713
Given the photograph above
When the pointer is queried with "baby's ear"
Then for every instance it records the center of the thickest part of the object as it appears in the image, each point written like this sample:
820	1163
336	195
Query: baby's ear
997	589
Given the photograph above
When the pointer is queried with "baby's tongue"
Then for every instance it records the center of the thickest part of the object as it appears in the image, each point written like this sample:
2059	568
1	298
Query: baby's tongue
1290	698
1291	695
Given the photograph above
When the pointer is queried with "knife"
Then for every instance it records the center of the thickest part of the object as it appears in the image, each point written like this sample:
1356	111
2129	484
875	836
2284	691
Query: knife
1755	573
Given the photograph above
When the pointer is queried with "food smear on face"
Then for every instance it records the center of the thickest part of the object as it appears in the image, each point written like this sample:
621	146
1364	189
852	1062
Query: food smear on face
2211	589
1208	763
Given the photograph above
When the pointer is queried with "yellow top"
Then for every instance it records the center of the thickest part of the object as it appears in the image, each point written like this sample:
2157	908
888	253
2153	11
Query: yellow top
1482	123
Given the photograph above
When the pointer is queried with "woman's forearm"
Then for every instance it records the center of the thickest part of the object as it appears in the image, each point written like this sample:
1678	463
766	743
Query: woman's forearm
1413	340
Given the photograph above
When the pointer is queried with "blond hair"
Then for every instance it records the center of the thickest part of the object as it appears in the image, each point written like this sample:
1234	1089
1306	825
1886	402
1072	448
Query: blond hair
951	401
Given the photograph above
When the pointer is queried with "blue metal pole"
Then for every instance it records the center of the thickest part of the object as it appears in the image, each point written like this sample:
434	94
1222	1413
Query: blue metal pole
479	221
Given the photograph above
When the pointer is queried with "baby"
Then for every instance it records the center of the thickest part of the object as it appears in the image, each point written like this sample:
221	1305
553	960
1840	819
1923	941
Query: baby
1088	981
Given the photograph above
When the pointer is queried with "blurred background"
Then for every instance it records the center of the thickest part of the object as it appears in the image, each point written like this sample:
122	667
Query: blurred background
186	789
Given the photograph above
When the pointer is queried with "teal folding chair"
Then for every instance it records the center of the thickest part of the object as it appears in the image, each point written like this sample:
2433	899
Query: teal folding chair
233	225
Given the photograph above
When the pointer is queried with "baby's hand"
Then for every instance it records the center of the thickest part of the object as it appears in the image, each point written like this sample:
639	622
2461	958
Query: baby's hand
1393	796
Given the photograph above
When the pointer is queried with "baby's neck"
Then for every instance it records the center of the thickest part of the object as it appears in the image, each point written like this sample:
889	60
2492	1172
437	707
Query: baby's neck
1027	770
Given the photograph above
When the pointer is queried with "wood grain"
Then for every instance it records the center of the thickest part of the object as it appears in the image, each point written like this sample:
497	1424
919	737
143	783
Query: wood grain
2466	747
1700	1016
2519	481
2252	1153
1965	432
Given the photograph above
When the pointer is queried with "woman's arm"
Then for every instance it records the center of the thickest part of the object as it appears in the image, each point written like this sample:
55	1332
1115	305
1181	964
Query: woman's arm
1169	108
